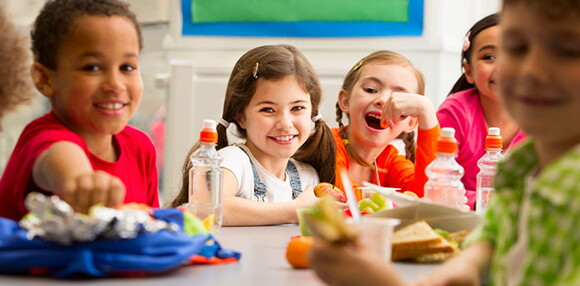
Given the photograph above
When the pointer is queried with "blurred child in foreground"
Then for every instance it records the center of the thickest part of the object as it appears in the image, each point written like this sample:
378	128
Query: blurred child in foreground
529	234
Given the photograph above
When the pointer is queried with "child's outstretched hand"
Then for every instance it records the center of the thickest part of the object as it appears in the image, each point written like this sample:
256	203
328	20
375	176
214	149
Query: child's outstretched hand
97	187
400	105
351	264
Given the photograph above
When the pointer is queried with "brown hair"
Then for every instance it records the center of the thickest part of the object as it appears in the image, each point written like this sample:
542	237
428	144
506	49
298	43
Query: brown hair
553	9
274	62
388	58
489	21
15	80
56	17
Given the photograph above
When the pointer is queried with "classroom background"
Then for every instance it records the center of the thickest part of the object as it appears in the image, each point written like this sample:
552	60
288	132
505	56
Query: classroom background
187	58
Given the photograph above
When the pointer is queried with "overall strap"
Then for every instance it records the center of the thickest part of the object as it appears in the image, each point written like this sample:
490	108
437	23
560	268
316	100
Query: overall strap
292	172
259	187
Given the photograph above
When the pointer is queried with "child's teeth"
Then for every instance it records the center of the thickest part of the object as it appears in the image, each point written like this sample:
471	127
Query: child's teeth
283	138
111	106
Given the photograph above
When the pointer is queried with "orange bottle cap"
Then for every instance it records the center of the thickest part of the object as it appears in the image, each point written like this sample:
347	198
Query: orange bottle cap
208	133
447	142
493	139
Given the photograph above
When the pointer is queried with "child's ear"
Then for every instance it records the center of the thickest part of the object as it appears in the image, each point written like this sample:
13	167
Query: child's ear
41	76
241	121
468	72
413	123
343	100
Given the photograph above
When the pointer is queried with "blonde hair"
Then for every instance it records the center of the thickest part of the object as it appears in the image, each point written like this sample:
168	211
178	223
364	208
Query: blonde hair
15	80
273	62
387	58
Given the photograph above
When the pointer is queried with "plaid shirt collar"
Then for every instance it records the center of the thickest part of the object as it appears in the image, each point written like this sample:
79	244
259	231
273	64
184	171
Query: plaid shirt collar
557	183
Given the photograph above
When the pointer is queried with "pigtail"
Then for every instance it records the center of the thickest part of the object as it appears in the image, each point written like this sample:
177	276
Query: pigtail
352	154
183	195
461	84
320	152
410	145
222	132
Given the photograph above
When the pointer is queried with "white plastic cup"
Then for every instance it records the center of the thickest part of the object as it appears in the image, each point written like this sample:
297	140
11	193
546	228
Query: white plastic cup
377	234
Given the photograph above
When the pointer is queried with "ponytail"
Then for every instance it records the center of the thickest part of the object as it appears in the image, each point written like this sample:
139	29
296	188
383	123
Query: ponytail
320	152
410	145
183	195
344	135
461	84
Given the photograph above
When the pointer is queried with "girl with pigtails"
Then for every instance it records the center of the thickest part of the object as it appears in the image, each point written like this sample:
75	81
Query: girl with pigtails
382	99
272	99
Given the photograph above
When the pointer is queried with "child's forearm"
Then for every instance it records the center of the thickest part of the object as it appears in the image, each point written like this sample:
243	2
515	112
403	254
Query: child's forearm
58	165
239	211
479	254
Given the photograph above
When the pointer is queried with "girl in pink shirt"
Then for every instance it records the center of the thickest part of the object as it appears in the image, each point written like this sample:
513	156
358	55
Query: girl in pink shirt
474	105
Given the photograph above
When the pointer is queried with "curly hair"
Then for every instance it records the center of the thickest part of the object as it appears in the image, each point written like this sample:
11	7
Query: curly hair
15	81
56	17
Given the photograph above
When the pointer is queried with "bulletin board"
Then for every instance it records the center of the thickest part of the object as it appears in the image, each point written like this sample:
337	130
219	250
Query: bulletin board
300	18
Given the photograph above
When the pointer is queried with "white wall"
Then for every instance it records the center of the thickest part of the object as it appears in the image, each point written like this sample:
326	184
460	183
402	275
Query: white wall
436	53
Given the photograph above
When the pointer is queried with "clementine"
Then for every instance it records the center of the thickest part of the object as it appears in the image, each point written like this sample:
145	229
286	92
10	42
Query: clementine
297	251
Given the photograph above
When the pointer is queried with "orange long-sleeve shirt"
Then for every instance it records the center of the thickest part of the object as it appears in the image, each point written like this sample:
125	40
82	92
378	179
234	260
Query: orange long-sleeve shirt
394	169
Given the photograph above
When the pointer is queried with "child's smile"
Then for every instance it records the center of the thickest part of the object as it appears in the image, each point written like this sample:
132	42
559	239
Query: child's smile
277	119
97	75
373	120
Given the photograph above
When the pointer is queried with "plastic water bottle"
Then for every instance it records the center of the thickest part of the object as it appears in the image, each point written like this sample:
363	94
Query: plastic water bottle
487	168
444	184
205	178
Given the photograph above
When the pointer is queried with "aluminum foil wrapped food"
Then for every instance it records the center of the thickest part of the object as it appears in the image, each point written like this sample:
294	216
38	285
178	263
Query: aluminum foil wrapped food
52	219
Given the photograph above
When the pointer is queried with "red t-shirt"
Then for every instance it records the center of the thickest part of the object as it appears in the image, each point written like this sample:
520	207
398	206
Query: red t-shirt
135	167
395	170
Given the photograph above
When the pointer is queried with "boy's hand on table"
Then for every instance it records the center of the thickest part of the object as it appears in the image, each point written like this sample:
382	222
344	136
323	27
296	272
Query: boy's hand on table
351	264
93	188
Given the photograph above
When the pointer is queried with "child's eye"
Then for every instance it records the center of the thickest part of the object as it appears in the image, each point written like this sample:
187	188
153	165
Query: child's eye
370	90
267	110
91	68
568	52
488	57
128	68
298	108
514	49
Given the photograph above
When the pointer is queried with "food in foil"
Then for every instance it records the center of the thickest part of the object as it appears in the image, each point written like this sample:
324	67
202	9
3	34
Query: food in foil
52	219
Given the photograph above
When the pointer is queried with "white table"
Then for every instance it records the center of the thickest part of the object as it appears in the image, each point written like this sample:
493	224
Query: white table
263	262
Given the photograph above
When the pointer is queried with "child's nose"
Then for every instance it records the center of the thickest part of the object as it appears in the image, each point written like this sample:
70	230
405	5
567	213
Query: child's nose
114	83
381	99
284	121
533	69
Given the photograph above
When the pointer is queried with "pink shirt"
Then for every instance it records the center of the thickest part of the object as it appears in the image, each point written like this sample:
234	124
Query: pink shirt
463	112
135	167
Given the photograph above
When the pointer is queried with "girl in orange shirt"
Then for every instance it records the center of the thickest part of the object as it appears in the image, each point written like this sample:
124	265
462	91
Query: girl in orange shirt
382	99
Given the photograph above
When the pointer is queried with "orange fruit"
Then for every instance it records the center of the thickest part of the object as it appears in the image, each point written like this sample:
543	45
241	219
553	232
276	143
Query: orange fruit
297	251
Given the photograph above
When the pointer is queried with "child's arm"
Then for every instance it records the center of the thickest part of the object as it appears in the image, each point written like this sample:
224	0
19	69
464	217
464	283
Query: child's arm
65	170
241	211
352	264
463	269
400	105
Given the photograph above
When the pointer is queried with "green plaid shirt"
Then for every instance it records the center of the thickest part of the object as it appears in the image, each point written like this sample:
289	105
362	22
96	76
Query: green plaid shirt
553	250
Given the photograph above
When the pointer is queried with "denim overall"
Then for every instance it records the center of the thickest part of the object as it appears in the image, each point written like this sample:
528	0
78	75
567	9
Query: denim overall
260	188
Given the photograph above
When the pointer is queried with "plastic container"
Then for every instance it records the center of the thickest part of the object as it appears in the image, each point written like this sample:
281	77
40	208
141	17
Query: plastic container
205	178
487	168
444	184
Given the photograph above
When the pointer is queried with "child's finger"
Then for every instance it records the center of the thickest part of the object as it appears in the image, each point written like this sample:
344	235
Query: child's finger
83	193
100	188
116	193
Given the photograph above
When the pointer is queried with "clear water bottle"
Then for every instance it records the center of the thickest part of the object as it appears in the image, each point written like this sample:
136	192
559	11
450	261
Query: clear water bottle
487	168
444	185
205	178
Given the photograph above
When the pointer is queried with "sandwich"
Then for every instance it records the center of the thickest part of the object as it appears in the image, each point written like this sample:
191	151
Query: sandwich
421	243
